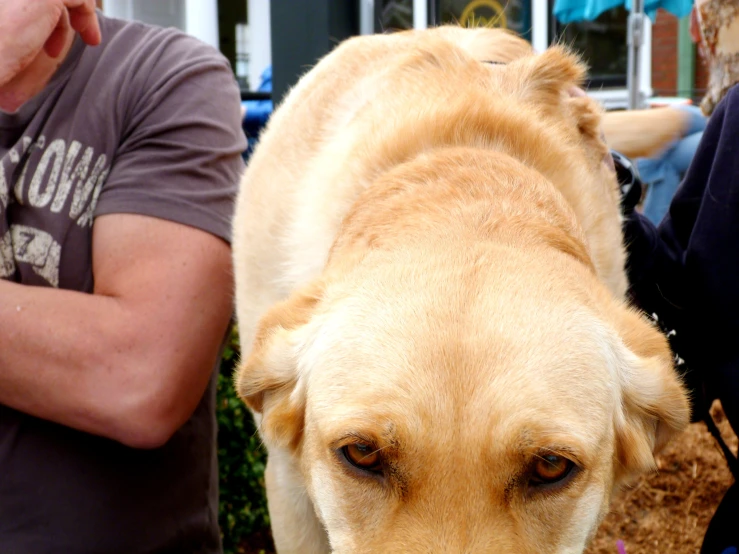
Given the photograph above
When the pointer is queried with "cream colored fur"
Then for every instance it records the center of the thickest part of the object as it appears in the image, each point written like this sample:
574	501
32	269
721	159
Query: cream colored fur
429	262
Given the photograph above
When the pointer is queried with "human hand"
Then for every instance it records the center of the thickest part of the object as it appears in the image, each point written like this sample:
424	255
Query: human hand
577	92
29	27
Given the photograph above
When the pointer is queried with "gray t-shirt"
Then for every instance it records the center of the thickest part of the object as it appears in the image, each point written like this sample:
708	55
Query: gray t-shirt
147	123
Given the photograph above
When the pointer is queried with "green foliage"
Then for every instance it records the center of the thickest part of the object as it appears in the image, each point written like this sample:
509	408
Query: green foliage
241	460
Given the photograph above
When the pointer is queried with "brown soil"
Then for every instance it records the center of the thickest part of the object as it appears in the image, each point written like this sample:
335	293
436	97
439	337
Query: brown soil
666	512
670	510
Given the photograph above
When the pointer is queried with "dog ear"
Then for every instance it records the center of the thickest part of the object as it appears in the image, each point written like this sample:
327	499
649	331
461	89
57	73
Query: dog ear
552	81
268	380
654	405
545	78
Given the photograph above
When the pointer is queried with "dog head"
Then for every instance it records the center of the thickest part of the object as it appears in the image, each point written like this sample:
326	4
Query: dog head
450	400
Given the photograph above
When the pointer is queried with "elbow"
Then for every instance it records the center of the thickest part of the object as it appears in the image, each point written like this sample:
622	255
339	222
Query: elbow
150	423
146	436
153	400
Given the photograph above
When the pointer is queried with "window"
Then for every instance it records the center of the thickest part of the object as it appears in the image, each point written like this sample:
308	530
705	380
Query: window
395	15
234	38
196	17
507	14
165	13
602	44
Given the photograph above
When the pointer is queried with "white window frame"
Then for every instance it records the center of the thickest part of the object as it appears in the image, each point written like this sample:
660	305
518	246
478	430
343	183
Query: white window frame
201	17
420	14
259	48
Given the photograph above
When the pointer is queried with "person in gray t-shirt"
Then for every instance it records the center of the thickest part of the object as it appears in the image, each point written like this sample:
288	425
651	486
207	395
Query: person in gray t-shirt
120	156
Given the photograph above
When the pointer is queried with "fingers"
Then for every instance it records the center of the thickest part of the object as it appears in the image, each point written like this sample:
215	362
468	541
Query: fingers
84	20
57	39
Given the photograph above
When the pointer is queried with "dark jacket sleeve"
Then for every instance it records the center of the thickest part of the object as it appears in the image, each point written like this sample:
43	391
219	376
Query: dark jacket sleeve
687	270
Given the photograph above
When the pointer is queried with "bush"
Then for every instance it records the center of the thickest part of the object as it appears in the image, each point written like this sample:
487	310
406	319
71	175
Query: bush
241	461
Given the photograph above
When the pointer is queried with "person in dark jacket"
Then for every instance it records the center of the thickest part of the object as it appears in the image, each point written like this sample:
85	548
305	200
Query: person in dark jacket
686	272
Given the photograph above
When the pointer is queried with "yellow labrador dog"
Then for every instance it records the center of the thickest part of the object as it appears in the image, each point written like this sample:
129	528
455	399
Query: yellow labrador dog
430	294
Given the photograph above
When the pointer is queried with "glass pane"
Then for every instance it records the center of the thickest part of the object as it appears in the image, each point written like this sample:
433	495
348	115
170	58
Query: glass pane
241	60
507	14
603	45
396	15
167	13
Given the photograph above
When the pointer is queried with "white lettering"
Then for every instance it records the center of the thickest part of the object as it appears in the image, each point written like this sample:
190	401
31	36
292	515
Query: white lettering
85	189
36	197
58	173
18	189
39	249
7	262
70	174
4	192
89	215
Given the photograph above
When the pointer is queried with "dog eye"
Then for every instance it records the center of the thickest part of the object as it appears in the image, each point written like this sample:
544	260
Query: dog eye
550	468
363	456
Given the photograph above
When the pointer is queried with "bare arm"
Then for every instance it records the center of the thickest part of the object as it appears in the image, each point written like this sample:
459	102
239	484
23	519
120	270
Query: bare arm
131	361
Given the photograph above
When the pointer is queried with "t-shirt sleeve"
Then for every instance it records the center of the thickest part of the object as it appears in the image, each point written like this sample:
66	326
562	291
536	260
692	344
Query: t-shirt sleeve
179	156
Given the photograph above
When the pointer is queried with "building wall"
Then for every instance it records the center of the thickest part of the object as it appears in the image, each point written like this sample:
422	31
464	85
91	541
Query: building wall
664	54
665	62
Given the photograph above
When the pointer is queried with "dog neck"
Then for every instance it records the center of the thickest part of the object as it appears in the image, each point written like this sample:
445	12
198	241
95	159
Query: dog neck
469	192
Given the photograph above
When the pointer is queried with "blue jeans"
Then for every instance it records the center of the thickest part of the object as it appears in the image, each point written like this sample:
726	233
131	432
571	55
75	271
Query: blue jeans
663	174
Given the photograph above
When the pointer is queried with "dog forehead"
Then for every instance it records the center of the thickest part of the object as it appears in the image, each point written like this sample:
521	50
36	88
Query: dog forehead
428	359
431	314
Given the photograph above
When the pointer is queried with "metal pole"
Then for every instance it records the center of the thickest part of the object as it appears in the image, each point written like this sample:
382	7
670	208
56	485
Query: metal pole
420	14
366	17
635	40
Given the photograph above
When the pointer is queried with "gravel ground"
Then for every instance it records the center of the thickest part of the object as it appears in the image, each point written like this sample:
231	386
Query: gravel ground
670	510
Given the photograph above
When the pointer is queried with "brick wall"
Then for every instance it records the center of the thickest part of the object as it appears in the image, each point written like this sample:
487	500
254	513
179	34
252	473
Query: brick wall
664	54
664	59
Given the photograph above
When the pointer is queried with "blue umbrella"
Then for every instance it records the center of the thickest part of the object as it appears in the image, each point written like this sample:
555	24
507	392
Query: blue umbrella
568	11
